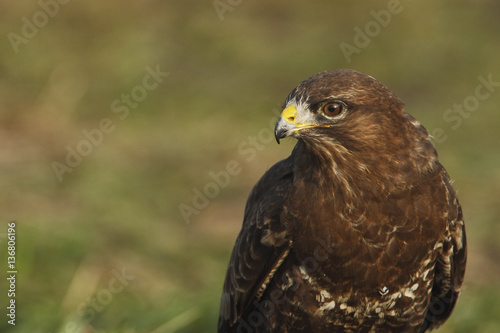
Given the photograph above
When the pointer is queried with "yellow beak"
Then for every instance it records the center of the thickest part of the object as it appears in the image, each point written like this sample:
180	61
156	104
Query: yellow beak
289	114
287	125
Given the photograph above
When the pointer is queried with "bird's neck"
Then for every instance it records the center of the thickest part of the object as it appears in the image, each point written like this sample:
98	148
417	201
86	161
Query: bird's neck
355	175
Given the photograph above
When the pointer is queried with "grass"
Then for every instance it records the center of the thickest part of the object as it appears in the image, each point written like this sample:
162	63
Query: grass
119	207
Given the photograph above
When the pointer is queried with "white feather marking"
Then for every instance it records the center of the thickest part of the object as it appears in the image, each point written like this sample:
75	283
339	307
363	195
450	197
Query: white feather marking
324	294
328	306
383	291
409	293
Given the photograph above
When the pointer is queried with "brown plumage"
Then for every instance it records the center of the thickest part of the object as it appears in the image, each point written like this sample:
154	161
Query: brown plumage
359	230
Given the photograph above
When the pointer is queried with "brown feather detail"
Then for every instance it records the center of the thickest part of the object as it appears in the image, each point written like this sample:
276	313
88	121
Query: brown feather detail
261	247
377	230
270	275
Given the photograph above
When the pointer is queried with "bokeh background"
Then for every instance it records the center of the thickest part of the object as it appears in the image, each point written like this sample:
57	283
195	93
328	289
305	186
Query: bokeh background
230	66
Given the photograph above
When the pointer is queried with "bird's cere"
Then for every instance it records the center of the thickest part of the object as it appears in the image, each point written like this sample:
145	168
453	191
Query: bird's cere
289	114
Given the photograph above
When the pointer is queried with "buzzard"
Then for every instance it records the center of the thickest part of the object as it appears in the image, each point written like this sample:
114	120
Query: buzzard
358	230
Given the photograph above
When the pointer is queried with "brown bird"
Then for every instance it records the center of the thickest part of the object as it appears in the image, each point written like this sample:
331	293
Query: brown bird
358	230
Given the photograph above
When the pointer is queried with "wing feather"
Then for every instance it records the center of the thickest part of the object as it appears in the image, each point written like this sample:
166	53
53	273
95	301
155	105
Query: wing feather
261	247
450	265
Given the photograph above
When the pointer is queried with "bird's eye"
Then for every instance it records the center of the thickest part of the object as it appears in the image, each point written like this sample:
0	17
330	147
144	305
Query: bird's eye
333	109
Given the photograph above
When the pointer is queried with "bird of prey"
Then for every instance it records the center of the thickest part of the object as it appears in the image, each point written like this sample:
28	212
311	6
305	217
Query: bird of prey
358	230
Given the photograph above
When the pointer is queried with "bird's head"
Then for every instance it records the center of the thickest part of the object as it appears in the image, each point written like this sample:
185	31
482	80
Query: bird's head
346	115
335	102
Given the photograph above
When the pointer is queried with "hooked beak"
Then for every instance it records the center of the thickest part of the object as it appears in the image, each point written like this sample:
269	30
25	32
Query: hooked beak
286	123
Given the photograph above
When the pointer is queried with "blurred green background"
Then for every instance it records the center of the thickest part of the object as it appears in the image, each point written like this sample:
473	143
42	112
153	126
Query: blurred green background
117	213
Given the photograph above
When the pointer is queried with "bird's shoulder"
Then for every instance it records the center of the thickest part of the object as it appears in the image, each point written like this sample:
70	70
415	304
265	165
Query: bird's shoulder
262	244
449	269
